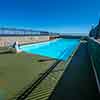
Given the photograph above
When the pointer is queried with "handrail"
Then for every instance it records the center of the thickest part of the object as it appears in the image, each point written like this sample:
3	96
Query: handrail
94	40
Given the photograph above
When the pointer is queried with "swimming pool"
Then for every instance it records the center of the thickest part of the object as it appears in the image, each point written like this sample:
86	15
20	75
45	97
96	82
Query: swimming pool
59	48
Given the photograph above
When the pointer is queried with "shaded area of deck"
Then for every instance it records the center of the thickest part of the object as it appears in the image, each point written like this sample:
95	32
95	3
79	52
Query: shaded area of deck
78	81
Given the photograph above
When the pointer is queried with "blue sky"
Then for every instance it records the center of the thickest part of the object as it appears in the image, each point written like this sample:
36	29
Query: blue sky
70	16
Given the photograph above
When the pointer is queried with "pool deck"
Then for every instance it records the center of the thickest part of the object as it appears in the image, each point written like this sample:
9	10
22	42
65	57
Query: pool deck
78	81
74	81
19	70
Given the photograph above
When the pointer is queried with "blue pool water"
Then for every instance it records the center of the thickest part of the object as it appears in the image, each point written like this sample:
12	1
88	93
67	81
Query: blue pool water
59	48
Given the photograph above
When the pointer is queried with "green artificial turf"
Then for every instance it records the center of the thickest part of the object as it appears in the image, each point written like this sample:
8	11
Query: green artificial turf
47	86
18	70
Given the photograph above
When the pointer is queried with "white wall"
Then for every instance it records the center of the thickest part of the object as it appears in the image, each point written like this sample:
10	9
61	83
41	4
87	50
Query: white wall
9	40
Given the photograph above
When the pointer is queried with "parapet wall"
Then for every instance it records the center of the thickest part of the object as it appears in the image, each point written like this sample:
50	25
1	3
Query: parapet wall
9	40
94	50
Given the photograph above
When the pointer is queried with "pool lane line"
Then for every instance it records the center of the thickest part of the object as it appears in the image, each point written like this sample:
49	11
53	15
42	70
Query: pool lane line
38	81
95	74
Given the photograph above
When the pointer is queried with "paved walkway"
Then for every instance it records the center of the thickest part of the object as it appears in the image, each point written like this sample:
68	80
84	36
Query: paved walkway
77	82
